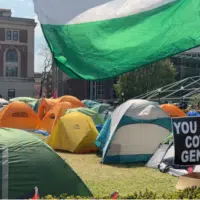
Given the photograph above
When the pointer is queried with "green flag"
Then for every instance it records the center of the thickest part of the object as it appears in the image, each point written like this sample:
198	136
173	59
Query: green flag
100	39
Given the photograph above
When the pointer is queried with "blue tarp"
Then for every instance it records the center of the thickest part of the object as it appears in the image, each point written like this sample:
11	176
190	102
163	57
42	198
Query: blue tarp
193	113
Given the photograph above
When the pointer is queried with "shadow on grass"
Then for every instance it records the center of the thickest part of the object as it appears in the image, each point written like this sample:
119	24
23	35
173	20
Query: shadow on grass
68	152
129	165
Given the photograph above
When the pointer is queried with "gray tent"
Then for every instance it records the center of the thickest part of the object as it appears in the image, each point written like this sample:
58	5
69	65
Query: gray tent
163	159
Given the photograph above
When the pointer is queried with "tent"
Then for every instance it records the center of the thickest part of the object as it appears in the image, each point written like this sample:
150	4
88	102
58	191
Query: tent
34	105
27	162
90	103
45	106
97	119
133	132
23	99
103	109
163	159
3	101
74	132
76	103
51	118
173	111
18	115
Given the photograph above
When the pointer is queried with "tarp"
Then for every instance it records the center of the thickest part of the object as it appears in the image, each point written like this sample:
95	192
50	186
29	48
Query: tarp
27	162
193	113
74	132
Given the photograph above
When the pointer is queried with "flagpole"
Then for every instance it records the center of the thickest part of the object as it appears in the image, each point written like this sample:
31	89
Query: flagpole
54	76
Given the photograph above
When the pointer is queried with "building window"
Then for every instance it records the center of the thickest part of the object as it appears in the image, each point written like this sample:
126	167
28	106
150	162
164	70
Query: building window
12	35
8	35
99	90
15	36
11	71
11	56
11	63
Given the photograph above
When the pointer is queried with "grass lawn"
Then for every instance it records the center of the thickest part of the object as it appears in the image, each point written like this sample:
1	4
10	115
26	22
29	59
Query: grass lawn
105	179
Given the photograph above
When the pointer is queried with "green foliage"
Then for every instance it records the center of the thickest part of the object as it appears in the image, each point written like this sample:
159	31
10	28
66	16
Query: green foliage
190	193
145	79
195	100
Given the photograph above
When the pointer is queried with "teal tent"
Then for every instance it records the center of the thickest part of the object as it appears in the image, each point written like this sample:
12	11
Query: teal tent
90	103
103	109
27	162
34	105
97	119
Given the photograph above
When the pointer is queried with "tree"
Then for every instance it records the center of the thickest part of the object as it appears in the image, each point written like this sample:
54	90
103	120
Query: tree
194	101
47	65
49	85
145	79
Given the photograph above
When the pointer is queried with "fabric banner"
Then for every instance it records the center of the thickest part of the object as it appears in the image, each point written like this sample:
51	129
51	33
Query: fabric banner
101	39
187	140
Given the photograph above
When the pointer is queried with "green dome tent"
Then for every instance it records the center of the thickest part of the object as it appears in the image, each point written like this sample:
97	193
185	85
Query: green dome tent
103	109
90	103
94	115
23	99
27	162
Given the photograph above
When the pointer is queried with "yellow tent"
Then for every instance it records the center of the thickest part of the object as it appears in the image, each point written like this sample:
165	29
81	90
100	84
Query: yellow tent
74	132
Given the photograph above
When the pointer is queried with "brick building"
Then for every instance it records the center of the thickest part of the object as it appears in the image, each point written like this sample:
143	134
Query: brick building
102	91
16	55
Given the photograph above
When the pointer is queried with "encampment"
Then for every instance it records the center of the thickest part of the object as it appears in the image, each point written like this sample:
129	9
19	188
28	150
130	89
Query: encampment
173	111
133	132
27	162
18	115
51	118
74	132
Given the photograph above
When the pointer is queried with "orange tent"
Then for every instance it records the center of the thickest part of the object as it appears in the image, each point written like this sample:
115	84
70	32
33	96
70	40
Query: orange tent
173	111
76	103
50	119
18	115
45	106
